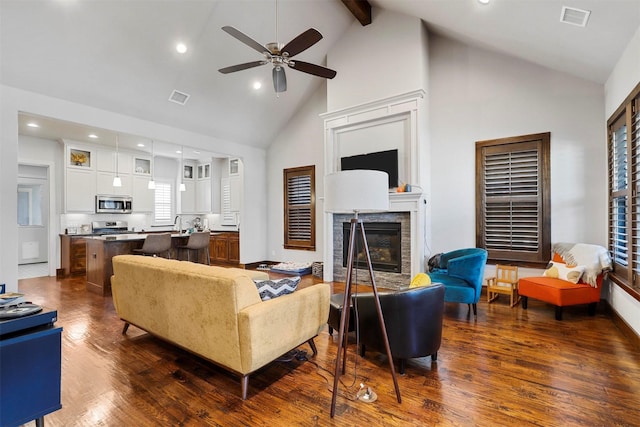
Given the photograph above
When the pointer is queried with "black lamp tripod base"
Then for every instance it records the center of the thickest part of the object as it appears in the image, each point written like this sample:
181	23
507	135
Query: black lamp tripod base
344	319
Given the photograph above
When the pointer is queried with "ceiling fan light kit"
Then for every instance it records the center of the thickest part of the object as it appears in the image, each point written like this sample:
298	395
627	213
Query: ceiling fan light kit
280	55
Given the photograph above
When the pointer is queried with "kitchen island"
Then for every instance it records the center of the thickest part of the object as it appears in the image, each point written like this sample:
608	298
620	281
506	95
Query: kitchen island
224	249
101	249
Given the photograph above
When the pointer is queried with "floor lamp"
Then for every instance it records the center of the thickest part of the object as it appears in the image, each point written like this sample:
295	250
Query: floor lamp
354	192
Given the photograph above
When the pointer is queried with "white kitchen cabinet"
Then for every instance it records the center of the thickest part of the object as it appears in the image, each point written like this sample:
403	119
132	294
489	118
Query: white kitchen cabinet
234	167
80	190
106	161
142	165
80	178
203	196
203	188
204	171
217	168
188	197
105	184
143	198
235	184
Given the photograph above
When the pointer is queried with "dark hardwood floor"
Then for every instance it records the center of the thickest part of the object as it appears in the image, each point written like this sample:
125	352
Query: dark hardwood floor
509	367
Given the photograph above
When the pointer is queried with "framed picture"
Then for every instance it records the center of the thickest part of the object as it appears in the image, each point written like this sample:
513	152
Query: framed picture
187	172
79	158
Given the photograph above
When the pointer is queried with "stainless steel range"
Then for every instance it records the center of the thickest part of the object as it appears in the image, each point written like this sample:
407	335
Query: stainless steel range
109	227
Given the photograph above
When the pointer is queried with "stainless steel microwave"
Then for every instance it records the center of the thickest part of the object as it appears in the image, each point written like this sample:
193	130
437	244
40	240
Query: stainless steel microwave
113	204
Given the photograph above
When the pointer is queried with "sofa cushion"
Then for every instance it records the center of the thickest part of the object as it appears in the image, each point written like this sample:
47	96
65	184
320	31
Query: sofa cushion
455	289
559	270
269	289
557	291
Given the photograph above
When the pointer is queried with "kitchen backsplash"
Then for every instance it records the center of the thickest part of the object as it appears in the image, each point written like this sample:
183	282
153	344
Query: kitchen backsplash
137	222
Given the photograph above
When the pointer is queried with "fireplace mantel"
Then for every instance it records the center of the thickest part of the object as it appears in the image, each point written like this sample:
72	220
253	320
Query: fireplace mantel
404	117
405	202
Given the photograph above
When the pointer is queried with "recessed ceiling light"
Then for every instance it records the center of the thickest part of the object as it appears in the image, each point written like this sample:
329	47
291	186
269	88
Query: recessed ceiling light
483	1
33	125
93	136
140	144
178	152
257	85
196	152
181	47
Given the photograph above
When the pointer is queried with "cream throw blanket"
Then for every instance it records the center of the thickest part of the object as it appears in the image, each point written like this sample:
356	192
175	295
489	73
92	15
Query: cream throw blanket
595	258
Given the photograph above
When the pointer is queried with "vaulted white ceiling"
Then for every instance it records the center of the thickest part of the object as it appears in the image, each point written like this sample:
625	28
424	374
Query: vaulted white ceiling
120	55
531	29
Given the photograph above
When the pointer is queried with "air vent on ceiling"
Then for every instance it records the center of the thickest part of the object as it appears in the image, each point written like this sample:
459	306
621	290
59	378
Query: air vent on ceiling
179	97
573	16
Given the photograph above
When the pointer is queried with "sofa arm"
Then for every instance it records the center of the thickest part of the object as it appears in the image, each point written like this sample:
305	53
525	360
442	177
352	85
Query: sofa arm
271	328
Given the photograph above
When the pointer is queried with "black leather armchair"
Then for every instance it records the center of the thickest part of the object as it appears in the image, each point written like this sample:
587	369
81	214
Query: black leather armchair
413	319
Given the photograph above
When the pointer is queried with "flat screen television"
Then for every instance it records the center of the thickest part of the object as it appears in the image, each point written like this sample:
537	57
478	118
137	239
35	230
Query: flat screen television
385	161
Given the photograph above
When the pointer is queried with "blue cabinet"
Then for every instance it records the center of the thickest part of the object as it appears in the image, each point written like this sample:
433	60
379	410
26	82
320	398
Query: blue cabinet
30	360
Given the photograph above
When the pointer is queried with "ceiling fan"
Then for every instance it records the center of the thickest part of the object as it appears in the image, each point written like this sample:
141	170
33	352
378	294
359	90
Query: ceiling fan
280	55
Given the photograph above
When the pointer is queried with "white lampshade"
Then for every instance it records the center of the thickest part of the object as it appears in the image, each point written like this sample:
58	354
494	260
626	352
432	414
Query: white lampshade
117	182
151	185
356	191
183	187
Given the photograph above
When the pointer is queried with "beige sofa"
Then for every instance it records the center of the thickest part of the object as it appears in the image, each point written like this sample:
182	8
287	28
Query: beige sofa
216	312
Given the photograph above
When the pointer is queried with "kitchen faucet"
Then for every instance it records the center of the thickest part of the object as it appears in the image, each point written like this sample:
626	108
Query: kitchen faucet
178	220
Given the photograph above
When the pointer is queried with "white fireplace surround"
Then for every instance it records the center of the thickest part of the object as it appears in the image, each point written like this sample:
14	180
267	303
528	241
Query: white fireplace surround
392	123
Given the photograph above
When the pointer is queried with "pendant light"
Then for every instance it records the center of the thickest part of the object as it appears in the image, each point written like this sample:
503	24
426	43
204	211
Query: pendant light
117	182
182	186
152	183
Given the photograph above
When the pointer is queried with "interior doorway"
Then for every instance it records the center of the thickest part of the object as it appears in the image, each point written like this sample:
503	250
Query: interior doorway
33	220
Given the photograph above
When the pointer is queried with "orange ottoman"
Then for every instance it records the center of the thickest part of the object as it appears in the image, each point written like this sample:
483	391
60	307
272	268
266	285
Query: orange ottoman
559	293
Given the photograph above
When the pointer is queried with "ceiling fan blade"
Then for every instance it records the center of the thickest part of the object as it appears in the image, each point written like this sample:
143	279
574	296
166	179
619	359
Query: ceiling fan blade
314	69
240	67
245	39
301	43
279	79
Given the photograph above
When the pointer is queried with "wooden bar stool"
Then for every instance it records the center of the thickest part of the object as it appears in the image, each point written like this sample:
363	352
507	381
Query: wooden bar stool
197	241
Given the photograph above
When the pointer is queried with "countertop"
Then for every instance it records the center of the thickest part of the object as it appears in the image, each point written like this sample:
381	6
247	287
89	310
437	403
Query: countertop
128	237
134	235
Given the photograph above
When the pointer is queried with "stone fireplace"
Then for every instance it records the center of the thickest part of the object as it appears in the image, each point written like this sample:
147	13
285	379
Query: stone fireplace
395	123
384	230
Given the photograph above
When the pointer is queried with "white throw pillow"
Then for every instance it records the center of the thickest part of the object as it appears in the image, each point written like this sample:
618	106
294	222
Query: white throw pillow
560	270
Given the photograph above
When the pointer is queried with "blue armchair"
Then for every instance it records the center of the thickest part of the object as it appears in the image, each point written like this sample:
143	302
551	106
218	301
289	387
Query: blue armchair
461	272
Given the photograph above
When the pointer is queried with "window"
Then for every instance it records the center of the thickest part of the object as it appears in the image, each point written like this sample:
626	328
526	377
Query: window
300	208
513	198
29	204
163	203
624	182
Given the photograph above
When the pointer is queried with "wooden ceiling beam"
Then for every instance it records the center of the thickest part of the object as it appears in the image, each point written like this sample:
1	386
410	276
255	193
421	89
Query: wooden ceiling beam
361	9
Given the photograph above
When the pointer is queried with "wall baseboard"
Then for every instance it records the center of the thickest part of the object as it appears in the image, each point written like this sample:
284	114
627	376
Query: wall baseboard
624	327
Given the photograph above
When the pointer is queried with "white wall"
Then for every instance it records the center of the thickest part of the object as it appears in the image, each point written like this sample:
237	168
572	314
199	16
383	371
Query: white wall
624	77
45	152
13	101
300	143
478	94
380	60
